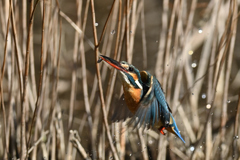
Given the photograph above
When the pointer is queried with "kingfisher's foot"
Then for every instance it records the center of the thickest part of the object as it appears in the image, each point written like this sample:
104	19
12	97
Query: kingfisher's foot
161	130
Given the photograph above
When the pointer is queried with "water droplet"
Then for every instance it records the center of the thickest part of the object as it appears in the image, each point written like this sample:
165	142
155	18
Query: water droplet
96	24
190	52
228	101
235	137
194	65
150	141
192	148
208	106
113	32
204	96
130	154
200	31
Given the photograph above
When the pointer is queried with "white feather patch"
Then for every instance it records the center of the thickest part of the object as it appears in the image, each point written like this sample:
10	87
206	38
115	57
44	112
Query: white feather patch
139	85
127	80
125	77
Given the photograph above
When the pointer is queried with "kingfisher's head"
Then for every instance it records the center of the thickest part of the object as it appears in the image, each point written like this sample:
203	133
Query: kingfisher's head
130	74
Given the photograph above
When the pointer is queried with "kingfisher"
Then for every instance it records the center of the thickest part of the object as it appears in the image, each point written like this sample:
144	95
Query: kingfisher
145	101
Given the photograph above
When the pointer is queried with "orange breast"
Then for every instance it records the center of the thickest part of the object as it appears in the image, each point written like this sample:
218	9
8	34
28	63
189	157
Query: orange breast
132	97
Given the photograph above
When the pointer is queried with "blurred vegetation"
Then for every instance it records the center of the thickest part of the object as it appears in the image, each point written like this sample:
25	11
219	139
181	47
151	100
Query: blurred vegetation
56	100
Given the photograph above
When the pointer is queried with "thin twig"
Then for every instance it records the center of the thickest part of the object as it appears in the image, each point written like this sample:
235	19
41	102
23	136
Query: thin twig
236	137
100	84
74	77
41	70
144	41
105	25
228	69
1	89
162	41
75	139
3	21
44	134
86	97
33	10
127	15
178	152
132	30
62	147
209	93
22	90
168	44
143	144
76	28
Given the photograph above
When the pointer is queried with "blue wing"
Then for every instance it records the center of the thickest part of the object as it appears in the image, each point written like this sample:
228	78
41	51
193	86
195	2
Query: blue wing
153	106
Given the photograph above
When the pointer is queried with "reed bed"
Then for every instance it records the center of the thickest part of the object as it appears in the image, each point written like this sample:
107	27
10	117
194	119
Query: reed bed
56	100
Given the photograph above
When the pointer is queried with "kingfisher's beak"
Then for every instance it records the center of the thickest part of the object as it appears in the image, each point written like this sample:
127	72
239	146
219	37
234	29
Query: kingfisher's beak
113	63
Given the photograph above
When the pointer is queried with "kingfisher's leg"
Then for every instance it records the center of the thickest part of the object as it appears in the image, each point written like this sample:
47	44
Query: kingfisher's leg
161	130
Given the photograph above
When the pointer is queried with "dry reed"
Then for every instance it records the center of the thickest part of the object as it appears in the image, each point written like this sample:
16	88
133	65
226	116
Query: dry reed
52	90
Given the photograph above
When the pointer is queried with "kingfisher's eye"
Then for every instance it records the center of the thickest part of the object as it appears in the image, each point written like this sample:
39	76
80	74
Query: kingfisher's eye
130	69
